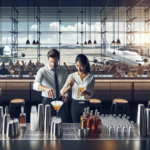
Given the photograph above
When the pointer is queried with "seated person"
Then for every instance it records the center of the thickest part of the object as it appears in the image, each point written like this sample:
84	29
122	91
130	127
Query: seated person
65	66
93	70
4	71
34	71
113	71
140	70
22	71
17	64
30	63
23	64
130	73
11	63
3	64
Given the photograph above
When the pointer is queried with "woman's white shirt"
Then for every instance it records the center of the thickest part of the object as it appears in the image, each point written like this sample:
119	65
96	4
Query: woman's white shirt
88	81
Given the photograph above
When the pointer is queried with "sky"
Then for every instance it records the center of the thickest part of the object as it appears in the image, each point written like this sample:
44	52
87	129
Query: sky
48	39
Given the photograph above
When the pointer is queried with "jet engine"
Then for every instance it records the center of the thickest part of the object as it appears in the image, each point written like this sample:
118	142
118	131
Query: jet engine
23	55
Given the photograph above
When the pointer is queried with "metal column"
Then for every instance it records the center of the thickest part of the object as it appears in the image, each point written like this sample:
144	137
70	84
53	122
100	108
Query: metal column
14	30
130	27
147	30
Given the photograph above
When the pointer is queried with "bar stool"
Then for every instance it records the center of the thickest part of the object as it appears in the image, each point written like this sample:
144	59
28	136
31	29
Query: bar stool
120	102
14	103
148	104
97	103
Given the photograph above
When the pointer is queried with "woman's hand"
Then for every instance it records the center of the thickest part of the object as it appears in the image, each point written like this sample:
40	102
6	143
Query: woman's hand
84	93
71	83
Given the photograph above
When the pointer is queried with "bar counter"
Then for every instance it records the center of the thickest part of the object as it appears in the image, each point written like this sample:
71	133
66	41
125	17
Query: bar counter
70	132
134	89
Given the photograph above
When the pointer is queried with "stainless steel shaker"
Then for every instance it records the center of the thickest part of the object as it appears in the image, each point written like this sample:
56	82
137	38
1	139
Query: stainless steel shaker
148	121
1	119
47	118
40	117
16	127
141	121
52	125
57	129
10	129
6	119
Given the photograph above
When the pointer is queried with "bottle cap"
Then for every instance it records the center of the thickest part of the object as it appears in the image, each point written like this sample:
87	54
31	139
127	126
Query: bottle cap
84	109
6	109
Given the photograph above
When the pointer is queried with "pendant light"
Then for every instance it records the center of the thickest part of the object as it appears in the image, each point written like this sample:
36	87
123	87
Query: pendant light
34	43
85	43
37	43
118	41
113	42
77	31
94	24
28	42
89	42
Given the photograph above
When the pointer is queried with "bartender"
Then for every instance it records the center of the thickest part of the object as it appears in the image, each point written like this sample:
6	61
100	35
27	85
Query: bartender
50	80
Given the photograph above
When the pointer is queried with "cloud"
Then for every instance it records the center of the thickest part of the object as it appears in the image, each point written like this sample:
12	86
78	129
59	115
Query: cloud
33	27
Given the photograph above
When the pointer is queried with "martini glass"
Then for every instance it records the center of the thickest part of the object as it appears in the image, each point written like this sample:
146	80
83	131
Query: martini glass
81	89
57	105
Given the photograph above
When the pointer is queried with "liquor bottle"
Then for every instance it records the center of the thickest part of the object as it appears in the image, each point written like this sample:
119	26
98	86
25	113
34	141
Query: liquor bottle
96	111
82	117
84	121
98	124
22	117
88	112
91	120
85	110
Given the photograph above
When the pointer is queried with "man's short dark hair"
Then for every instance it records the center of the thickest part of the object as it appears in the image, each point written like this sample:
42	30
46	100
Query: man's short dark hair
139	64
54	53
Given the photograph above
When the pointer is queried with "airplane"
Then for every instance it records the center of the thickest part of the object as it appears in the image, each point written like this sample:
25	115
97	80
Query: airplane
7	55
127	57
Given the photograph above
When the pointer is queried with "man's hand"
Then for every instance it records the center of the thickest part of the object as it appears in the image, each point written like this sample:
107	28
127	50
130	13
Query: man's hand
65	98
50	92
84	93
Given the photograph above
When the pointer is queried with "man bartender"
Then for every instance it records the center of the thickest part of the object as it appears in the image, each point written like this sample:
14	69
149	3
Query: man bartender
50	79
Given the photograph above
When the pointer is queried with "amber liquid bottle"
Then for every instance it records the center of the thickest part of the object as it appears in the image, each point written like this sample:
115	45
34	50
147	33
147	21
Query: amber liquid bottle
98	125
22	117
92	125
88	112
81	118
84	121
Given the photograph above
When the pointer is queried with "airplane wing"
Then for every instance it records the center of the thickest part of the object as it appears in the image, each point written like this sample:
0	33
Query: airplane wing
20	51
115	60
106	59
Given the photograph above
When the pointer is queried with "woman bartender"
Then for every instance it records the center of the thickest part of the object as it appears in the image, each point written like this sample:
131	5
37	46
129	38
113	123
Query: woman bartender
82	77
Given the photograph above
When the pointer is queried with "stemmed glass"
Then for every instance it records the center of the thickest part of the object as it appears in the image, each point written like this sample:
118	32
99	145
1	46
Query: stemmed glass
81	89
57	105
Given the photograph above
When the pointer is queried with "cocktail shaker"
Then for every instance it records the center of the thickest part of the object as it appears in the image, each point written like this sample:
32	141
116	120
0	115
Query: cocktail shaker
6	119
57	129
141	121
52	125
16	127
10	129
47	118
148	121
40	117
1	119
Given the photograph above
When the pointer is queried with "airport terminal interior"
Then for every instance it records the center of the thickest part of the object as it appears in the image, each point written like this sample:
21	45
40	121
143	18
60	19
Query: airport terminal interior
113	34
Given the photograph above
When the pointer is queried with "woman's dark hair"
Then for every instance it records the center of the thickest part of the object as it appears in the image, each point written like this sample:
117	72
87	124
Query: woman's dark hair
84	60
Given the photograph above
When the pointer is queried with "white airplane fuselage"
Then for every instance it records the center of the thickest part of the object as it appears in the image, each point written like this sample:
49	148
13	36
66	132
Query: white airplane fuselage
125	57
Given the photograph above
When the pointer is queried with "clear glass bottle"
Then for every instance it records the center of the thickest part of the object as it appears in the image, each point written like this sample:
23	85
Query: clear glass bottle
88	112
22	117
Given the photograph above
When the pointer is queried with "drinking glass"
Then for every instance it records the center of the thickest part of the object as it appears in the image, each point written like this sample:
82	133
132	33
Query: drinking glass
57	105
81	89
